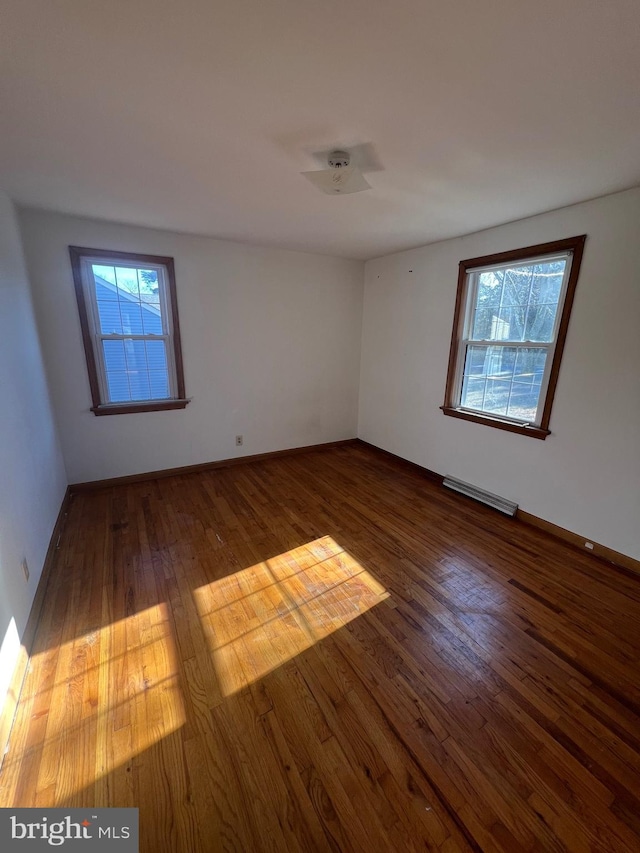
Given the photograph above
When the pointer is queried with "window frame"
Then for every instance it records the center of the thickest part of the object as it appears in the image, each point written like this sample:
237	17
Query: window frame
573	246
87	308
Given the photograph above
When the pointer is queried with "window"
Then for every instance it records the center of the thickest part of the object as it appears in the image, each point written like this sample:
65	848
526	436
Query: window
511	318
129	319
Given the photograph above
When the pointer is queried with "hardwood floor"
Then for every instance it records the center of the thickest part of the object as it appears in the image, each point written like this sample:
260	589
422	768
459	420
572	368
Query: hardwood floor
330	652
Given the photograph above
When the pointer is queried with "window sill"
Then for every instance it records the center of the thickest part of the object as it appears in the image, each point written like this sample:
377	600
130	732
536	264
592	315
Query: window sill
144	406
487	420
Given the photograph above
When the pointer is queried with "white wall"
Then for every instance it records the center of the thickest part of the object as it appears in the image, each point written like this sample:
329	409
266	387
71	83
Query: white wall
33	479
270	339
586	475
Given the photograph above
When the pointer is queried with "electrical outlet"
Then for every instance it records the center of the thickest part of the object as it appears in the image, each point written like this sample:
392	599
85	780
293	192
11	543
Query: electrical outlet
25	569
239	441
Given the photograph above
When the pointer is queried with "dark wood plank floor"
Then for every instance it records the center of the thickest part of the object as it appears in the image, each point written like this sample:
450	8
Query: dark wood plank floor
330	652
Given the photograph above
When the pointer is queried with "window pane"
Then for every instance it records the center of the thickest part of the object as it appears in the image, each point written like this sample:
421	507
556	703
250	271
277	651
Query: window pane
104	278
518	303
139	384
151	319
127	283
540	321
149	286
137	372
156	355
136	355
116	371
496	396
110	320
159	383
131	314
526	382
502	380
114	356
118	386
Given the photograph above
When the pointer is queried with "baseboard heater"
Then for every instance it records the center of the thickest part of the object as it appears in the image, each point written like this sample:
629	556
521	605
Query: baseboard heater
495	501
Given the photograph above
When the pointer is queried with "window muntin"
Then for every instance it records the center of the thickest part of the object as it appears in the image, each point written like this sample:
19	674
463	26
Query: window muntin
512	314
129	318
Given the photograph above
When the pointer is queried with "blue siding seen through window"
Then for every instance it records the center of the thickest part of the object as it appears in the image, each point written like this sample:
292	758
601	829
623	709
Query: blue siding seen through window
128	304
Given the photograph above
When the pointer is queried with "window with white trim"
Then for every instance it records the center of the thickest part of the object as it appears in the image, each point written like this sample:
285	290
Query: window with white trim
129	318
511	319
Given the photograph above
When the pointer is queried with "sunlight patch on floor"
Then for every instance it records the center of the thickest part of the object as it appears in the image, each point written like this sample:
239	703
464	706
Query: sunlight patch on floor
262	616
9	653
114	693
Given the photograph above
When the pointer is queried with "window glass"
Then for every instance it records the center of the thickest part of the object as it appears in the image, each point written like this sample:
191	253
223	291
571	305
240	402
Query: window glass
128	314
512	313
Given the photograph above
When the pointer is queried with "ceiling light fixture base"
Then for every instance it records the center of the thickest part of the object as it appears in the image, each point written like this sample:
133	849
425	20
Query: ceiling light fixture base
339	159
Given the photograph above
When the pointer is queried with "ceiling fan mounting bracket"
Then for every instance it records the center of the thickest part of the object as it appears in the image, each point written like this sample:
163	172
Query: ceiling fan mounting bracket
339	159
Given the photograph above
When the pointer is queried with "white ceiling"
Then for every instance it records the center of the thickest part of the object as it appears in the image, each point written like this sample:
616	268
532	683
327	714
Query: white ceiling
199	115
